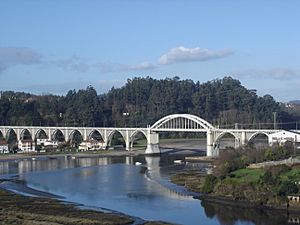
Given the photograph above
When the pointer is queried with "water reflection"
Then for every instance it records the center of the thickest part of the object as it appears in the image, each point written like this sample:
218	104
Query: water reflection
145	191
230	215
50	164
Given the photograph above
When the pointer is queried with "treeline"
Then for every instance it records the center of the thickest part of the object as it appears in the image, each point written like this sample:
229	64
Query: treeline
142	101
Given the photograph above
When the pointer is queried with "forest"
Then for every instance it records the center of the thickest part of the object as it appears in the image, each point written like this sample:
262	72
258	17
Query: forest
142	101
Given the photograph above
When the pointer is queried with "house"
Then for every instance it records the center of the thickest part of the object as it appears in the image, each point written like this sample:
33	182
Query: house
4	147
46	143
91	145
283	136
26	146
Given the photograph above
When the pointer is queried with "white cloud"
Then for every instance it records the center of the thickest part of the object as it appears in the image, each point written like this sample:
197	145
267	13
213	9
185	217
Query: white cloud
275	73
12	56
182	54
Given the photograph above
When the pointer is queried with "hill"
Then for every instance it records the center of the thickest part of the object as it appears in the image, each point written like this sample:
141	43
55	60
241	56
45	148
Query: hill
296	102
222	102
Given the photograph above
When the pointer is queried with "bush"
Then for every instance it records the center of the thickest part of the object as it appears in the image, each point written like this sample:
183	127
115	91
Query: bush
287	187
209	183
267	179
279	169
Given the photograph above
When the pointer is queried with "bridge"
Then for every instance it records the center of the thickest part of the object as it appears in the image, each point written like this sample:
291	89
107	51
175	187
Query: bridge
170	123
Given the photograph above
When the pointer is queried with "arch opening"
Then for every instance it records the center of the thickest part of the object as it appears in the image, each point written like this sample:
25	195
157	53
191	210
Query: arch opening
75	138
226	140
138	140
12	140
95	135
41	134
58	136
259	140
2	138
116	140
25	135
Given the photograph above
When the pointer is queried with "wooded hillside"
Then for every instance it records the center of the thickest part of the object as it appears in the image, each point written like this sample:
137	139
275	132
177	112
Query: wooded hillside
222	102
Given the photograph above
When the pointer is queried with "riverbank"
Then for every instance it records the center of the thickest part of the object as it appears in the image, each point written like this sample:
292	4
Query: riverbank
255	188
20	209
174	146
102	153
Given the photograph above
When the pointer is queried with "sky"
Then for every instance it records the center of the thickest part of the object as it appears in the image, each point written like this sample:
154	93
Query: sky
52	46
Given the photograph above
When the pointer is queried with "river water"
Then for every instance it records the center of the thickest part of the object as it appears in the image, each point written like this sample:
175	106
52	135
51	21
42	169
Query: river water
117	184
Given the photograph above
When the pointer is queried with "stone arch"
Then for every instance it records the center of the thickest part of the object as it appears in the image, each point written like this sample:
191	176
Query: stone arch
112	133
25	134
256	134
75	136
221	135
2	137
58	135
258	144
97	132
138	131
11	134
38	133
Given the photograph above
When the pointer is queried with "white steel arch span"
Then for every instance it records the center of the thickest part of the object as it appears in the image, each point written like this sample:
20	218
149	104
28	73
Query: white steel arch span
181	122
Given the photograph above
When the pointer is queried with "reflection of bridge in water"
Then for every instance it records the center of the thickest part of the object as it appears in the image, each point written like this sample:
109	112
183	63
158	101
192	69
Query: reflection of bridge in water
171	123
153	173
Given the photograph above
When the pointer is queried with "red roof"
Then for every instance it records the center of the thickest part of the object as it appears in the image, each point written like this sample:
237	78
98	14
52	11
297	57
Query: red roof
3	143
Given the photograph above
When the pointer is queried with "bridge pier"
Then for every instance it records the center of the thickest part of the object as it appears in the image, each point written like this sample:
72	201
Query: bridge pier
209	140
152	143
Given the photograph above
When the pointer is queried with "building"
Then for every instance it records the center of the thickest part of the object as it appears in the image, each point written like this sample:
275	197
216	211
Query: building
283	136
46	143
26	146
4	147
91	145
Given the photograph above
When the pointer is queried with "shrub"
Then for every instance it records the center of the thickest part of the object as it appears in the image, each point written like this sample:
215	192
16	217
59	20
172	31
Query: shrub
209	183
287	187
267	179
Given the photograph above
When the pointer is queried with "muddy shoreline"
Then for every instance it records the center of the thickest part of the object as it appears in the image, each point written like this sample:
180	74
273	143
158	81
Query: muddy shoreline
23	205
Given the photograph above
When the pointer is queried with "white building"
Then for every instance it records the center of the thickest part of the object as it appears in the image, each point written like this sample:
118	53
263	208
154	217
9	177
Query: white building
46	142
26	146
4	147
91	145
282	137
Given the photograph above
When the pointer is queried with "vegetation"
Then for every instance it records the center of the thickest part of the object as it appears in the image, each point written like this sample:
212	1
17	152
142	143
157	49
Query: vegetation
233	180
192	179
232	159
222	102
267	186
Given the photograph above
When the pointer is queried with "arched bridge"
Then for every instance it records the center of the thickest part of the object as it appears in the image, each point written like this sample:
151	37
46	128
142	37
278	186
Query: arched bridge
173	123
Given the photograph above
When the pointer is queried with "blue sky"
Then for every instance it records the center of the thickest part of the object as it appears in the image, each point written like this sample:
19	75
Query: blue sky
51	46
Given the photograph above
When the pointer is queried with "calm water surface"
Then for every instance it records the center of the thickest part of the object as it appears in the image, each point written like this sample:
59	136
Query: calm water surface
117	184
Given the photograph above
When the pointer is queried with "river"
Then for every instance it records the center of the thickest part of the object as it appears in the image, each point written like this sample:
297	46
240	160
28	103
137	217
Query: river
118	184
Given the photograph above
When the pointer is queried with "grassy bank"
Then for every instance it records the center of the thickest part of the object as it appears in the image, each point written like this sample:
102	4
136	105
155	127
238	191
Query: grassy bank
18	209
193	180
267	186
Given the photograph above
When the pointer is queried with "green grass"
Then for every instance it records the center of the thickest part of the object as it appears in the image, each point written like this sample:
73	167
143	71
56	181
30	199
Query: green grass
247	175
140	143
293	174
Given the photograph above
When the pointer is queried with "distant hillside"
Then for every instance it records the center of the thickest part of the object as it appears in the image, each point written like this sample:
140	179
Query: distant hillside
296	102
222	102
